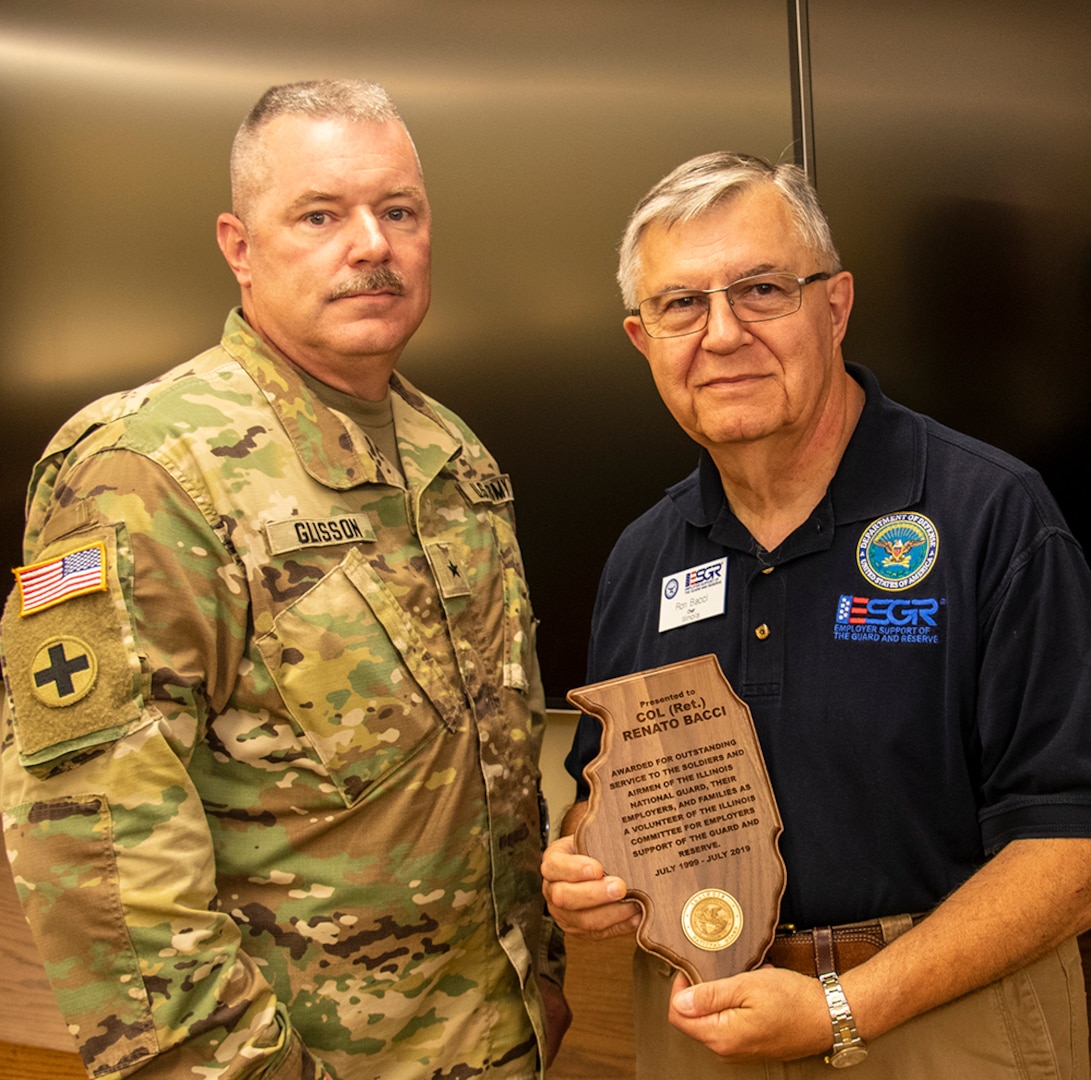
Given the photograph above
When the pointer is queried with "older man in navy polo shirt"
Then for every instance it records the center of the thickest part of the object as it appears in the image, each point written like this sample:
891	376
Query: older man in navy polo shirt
907	616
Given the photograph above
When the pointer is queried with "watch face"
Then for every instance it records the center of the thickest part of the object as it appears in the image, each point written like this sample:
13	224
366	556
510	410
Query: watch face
850	1055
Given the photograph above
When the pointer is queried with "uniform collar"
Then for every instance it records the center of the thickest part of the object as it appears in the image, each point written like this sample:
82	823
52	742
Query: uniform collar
882	471
333	450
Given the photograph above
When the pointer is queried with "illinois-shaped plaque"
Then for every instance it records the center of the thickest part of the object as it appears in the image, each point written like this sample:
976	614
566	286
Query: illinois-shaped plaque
681	807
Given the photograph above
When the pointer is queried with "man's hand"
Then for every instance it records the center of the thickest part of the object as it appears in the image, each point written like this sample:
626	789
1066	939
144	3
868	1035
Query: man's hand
582	897
768	1014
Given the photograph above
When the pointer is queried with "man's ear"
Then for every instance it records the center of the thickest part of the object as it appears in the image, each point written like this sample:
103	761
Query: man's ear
634	329
841	291
235	245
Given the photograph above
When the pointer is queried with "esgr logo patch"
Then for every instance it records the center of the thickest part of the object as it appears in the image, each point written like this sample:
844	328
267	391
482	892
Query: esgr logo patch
897	551
889	619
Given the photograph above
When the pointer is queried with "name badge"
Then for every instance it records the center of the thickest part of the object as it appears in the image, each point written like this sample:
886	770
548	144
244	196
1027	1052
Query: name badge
295	533
694	594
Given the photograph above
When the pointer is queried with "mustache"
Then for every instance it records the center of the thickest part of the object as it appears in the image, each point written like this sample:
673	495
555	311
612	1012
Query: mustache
379	277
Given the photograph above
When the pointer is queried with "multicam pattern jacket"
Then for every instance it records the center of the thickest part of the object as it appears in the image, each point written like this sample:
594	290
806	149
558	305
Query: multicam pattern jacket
269	764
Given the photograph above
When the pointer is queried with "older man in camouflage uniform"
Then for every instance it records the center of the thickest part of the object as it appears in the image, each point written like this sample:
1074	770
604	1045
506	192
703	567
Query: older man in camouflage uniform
270	784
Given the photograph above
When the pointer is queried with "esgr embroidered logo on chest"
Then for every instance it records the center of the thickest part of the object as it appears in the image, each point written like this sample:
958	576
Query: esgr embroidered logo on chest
890	619
897	551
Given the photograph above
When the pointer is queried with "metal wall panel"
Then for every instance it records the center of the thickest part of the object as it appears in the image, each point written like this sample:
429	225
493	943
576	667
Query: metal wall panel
539	126
953	151
952	142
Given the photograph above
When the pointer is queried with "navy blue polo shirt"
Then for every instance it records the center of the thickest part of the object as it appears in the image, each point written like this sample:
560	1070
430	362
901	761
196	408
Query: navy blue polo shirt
916	656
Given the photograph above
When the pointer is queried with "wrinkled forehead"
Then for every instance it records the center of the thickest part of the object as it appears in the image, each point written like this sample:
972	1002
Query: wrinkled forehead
753	231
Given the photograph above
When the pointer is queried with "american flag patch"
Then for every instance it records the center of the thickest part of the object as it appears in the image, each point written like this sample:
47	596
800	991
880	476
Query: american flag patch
75	574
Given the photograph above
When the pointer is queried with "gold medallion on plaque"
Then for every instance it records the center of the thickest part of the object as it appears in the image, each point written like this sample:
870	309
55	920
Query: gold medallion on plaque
712	919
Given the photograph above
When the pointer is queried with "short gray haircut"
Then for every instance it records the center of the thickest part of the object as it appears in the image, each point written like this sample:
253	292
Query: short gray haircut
705	182
346	99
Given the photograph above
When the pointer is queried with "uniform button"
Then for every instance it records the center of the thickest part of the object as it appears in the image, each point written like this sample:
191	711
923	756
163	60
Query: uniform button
768	569
762	632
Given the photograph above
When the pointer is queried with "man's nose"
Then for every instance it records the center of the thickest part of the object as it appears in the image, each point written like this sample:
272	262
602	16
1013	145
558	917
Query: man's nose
724	332
368	242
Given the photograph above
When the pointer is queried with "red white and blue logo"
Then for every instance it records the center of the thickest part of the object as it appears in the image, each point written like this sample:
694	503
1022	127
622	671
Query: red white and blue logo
77	573
897	551
890	619
704	576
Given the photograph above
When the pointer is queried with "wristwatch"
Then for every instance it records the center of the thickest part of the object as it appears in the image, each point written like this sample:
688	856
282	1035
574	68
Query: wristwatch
848	1047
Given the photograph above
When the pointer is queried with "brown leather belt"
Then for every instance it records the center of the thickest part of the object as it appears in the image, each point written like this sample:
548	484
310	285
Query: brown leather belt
853	943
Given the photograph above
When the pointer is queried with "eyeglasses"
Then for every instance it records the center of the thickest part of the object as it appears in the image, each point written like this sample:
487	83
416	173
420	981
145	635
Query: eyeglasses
753	299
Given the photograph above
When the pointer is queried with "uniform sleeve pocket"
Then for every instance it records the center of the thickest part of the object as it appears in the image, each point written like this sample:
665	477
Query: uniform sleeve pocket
62	858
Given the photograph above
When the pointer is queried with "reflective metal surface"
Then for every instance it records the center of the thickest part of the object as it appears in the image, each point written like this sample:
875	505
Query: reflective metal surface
539	125
953	147
948	139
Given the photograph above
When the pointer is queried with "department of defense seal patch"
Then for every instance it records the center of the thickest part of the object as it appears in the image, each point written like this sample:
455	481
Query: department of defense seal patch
712	919
897	551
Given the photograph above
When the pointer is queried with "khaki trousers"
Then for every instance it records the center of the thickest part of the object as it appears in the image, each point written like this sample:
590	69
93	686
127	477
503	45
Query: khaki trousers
1031	1025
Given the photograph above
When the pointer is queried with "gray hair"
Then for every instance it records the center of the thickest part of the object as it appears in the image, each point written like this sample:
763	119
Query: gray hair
704	182
347	99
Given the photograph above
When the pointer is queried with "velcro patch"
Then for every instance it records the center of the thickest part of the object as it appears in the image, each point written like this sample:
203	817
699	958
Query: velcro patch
65	694
295	533
491	489
446	569
63	672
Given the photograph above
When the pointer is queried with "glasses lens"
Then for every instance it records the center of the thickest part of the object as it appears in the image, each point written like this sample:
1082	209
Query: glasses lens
765	296
671	314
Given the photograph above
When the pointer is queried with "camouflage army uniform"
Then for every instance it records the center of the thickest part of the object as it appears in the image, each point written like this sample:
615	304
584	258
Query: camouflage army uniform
270	760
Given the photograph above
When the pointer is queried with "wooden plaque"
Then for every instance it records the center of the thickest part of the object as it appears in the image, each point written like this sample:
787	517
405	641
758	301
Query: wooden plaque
681	807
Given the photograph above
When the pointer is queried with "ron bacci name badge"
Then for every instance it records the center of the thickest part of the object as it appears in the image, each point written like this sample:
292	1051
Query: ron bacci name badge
694	594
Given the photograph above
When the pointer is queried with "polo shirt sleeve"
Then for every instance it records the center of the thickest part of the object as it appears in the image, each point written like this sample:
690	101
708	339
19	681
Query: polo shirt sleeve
1034	696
